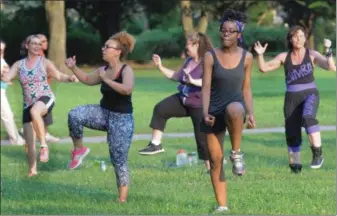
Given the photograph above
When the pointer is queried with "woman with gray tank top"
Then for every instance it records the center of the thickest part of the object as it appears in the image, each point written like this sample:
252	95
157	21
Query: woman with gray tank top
227	99
302	97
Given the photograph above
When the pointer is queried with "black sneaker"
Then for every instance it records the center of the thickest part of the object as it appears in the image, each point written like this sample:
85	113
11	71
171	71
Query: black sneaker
317	158
151	149
295	168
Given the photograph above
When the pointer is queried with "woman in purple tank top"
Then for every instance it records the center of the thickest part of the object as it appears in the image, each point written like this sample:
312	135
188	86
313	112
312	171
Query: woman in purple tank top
38	98
302	97
185	103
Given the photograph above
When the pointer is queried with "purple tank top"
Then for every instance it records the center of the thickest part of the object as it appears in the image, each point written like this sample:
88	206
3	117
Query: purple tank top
190	95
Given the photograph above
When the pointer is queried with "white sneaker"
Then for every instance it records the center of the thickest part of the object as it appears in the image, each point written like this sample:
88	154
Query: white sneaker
220	209
50	138
19	141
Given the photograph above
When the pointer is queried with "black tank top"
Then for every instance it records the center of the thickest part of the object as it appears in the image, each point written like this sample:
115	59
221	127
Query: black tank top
113	100
226	84
299	74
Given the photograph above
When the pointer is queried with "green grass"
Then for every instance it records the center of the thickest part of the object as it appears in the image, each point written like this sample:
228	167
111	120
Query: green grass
267	188
151	87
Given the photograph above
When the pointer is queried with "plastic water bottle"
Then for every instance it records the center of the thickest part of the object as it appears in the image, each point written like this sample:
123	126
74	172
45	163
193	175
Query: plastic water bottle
103	166
190	159
194	158
181	158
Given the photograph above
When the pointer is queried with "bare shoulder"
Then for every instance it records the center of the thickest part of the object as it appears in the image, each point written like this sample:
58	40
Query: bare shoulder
208	57
127	70
46	62
282	56
314	53
17	63
249	56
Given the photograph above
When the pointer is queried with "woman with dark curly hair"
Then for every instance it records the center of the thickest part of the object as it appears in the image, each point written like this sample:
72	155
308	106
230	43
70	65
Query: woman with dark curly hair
113	114
227	100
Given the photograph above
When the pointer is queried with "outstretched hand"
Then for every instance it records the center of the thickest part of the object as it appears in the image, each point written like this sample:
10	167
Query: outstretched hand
71	62
156	60
73	78
259	49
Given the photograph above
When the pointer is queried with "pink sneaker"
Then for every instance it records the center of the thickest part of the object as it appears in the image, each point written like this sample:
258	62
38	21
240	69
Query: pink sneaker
77	155
44	154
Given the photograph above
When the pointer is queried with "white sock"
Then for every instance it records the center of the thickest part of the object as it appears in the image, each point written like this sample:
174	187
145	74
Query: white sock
233	152
43	146
155	142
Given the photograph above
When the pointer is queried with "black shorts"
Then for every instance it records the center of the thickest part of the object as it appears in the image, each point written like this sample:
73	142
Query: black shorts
48	118
220	121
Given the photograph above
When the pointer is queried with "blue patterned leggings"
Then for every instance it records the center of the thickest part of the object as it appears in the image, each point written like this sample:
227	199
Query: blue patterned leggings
119	127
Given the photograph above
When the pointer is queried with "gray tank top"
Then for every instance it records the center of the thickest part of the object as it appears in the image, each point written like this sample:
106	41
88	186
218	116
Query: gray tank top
226	85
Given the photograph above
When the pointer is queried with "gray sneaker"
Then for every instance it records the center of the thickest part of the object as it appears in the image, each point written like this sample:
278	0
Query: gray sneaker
238	164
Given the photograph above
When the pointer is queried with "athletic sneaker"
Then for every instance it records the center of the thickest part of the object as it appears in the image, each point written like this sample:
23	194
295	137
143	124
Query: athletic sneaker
220	210
51	139
20	141
151	149
44	154
238	164
77	156
295	168
317	158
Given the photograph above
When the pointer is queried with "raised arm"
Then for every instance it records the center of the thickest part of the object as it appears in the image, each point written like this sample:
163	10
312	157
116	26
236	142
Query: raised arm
247	90
13	71
56	74
124	88
86	78
170	74
270	65
326	62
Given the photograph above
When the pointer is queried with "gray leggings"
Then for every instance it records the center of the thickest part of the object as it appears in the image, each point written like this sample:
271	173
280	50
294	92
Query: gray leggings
119	127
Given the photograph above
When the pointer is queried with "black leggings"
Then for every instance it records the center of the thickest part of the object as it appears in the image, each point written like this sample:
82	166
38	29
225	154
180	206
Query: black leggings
300	109
173	107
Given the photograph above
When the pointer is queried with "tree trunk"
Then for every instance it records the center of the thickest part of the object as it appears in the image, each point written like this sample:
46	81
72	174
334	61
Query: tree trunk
261	18
186	17
311	41
55	13
203	22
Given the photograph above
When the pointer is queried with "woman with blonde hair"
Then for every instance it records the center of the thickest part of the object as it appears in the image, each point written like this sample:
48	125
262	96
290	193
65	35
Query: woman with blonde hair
113	114
38	98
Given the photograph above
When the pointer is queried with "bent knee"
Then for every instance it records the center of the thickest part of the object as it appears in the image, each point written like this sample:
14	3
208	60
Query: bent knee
235	110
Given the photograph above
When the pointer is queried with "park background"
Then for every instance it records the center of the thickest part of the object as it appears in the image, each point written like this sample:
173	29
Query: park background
81	27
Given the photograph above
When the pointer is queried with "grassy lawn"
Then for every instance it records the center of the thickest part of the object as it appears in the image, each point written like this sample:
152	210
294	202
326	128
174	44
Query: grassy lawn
156	188
151	87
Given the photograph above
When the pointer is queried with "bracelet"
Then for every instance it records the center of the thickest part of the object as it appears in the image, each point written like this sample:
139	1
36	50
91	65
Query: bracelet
329	53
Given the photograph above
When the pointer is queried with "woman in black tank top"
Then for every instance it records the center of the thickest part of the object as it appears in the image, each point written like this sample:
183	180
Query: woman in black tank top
302	97
113	114
226	99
